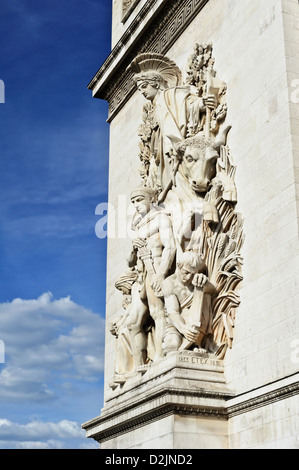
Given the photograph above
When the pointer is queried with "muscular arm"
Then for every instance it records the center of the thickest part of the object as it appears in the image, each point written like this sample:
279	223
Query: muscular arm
168	242
172	306
173	309
202	282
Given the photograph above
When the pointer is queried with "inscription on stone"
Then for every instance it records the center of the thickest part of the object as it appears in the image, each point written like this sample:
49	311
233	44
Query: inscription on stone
199	360
188	359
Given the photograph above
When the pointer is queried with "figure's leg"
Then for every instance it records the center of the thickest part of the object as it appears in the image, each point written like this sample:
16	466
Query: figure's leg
123	354
139	346
172	339
156	311
135	324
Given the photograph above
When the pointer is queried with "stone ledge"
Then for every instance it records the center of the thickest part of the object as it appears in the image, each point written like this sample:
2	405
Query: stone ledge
178	367
132	410
184	382
112	60
247	402
129	10
168	402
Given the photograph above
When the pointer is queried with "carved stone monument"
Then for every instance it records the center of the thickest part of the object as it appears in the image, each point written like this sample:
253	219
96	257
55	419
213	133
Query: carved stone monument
191	343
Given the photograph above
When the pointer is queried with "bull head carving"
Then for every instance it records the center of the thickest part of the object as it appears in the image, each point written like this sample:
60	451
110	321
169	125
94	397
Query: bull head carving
197	158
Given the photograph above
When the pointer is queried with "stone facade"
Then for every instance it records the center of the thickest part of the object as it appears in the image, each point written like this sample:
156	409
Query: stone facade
255	46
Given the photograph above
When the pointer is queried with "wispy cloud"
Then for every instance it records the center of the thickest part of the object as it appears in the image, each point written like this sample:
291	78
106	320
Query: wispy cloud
40	435
54	353
39	430
47	343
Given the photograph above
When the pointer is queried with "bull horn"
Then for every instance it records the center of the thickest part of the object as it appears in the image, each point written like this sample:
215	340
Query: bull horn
174	139
221	138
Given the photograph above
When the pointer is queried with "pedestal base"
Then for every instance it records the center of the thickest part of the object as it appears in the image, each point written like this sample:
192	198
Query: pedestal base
177	403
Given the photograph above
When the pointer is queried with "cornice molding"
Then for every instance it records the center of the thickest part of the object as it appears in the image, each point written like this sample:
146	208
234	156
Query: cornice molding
113	82
129	10
122	43
184	402
265	399
164	403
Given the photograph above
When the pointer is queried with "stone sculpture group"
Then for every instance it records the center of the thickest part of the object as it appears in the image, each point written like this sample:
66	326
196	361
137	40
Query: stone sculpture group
180	291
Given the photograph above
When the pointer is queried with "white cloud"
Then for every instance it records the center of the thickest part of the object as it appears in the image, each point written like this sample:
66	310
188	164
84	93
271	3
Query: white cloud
38	429
42	435
18	384
48	341
54	352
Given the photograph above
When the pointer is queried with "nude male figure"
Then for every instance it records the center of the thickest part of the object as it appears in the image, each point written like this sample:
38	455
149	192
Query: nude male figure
153	252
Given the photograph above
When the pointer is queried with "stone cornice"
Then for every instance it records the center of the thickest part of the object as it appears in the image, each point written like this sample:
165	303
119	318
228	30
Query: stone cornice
264	399
127	12
159	405
168	18
108	67
166	402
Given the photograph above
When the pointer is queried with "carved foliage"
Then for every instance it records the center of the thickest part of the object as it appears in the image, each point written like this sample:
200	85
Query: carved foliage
221	246
200	65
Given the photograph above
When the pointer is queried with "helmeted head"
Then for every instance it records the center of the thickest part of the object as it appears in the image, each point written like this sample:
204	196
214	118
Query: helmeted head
153	73
149	84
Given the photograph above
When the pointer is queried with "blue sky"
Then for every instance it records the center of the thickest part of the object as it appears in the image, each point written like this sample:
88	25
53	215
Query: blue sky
54	162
